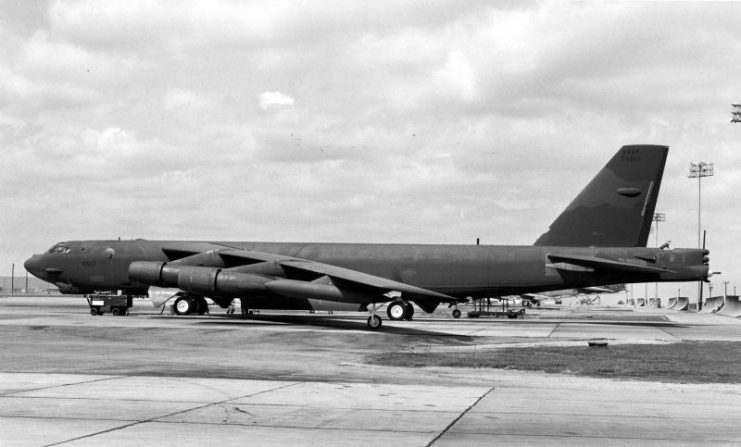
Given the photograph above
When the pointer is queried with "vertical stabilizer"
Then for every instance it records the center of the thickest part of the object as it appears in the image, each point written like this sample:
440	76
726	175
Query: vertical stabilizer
616	208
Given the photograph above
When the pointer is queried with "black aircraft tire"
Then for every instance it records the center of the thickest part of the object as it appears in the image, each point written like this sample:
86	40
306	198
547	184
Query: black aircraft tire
409	312
183	306
456	313
374	322
396	311
201	305
94	312
115	311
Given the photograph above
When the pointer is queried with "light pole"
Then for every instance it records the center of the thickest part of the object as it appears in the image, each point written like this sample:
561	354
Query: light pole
699	171
658	217
735	118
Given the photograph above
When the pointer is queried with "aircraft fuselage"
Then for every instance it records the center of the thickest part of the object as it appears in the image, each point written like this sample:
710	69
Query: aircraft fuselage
455	270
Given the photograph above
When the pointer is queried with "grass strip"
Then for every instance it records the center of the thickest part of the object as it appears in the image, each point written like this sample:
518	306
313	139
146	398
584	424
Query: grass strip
686	362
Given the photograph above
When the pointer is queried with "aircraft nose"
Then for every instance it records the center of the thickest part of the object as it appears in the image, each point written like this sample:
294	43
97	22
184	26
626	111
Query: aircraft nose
33	265
36	266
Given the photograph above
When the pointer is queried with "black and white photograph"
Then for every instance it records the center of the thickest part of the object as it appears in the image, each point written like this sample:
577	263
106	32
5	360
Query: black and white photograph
379	223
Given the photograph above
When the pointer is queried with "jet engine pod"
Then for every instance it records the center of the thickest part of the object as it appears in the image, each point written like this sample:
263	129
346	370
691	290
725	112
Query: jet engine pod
209	281
230	283
146	272
200	280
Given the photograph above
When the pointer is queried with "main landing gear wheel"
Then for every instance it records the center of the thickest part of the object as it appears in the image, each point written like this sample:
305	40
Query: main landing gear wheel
374	322
201	305
183	305
397	310
456	313
409	313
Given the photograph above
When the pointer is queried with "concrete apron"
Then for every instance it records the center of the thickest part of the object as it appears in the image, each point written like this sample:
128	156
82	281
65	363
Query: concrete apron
75	409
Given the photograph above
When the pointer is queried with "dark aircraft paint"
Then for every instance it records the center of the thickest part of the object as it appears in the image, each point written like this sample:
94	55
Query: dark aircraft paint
599	239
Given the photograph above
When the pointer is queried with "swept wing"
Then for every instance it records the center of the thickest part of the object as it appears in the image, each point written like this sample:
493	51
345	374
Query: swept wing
241	272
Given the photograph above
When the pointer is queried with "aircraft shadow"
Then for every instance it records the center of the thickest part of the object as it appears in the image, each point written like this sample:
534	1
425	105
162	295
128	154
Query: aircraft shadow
339	323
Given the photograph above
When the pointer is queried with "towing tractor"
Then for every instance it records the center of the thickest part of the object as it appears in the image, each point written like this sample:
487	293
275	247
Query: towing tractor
101	303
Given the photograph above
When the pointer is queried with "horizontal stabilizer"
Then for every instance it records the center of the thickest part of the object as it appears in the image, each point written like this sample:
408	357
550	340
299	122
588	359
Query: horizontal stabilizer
598	263
604	289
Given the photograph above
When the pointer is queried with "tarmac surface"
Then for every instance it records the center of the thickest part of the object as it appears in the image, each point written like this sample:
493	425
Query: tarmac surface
68	378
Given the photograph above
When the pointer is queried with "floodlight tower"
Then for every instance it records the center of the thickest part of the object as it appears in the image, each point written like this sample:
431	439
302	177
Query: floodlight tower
735	118
698	171
658	217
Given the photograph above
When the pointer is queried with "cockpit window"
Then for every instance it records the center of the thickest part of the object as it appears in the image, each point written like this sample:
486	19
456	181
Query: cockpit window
59	248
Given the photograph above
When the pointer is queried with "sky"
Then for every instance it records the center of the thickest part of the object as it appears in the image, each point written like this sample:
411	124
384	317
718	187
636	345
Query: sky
384	121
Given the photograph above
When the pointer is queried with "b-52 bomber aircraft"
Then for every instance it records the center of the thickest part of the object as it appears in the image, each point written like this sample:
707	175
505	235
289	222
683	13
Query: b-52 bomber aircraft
599	239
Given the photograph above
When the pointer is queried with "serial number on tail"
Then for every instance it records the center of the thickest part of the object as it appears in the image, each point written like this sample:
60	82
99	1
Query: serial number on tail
630	155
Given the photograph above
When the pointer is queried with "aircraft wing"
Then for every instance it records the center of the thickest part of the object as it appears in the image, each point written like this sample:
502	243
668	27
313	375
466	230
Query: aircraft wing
364	279
350	283
597	263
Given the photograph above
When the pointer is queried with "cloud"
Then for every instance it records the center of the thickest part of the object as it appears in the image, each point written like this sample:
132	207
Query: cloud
353	121
269	100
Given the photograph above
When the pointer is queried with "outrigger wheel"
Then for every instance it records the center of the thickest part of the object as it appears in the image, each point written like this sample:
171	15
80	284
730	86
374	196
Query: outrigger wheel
374	322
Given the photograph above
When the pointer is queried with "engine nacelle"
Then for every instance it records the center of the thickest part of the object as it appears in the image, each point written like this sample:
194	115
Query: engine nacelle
146	272
206	281
199	280
217	282
237	284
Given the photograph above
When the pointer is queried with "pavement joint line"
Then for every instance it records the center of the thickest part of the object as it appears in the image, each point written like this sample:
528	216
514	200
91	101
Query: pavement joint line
66	418
92	399
319	427
671	335
455	421
154	419
553	330
679	440
100	379
390	410
672	418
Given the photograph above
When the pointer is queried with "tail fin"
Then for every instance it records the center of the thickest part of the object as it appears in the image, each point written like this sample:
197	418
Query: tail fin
616	208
